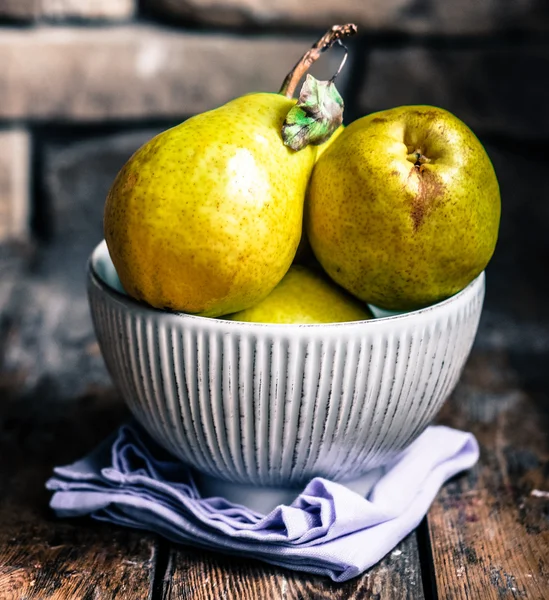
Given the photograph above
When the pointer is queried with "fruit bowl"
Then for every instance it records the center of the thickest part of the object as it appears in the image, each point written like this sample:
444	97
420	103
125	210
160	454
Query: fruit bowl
258	410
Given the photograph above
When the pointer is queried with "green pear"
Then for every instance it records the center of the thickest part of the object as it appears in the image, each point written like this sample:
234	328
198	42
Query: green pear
305	296
206	217
403	208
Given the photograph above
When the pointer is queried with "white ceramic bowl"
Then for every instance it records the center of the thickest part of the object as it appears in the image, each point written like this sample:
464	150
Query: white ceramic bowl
251	405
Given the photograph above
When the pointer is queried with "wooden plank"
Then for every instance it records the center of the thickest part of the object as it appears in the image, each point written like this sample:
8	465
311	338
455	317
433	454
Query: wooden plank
202	575
489	531
44	558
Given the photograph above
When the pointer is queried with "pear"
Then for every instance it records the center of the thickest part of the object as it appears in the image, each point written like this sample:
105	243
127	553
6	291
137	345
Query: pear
321	148
304	254
303	297
403	208
206	217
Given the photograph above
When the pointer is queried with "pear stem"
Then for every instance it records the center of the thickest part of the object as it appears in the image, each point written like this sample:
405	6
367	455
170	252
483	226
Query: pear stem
313	54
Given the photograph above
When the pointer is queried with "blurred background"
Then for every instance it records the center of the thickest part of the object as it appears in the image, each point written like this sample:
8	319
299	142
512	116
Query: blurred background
83	83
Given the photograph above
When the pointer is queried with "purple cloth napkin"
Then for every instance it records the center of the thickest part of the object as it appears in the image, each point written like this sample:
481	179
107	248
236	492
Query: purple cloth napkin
329	530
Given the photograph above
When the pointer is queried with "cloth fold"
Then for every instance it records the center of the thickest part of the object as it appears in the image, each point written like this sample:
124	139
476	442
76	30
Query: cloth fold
329	530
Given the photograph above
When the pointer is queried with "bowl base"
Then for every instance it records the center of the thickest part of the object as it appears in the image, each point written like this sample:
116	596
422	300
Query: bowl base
263	499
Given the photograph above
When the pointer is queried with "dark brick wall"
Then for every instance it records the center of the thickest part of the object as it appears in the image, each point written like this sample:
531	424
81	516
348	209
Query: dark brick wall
83	83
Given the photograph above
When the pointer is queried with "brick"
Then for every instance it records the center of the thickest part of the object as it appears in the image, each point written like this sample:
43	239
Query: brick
76	179
71	9
411	16
492	90
137	71
14	184
20	9
515	310
54	344
53	349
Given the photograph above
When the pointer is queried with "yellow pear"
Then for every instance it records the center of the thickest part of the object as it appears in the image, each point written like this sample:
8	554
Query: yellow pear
403	207
305	296
206	217
304	254
323	147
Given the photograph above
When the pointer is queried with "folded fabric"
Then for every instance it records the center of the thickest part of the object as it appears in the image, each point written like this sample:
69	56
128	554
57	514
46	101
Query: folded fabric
328	529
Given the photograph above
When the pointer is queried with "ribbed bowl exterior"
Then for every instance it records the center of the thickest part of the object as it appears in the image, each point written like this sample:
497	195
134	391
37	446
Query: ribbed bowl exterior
278	405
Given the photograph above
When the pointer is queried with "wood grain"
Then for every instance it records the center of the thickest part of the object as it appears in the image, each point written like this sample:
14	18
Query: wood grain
44	558
490	530
201	575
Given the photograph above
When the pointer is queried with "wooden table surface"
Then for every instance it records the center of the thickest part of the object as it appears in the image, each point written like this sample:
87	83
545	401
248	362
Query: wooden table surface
485	537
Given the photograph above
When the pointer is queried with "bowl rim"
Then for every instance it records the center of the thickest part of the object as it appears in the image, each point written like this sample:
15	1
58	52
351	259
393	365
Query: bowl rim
472	289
